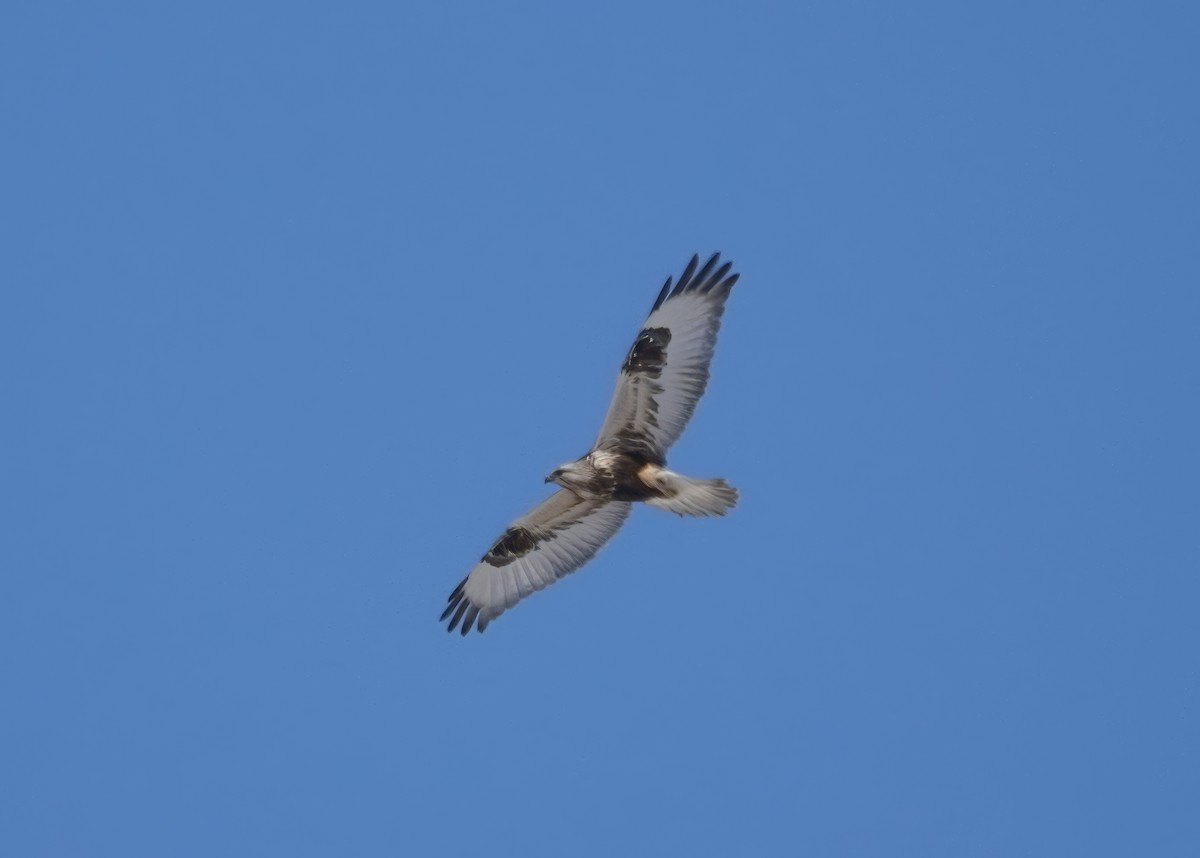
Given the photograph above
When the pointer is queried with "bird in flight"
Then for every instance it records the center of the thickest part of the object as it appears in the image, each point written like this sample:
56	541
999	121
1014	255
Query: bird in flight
662	378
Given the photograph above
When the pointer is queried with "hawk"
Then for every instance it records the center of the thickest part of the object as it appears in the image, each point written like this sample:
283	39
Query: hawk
663	376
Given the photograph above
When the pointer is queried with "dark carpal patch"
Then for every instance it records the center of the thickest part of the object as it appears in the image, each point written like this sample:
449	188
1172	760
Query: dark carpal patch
649	354
516	542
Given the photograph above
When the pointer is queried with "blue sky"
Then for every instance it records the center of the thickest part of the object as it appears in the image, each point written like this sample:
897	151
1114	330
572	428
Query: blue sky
300	303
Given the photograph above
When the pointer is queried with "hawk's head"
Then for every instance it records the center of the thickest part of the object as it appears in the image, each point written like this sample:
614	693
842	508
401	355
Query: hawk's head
579	476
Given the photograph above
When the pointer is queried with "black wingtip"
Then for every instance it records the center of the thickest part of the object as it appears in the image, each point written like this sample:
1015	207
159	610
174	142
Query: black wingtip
455	600
686	276
716	278
702	276
662	296
469	620
705	280
462	609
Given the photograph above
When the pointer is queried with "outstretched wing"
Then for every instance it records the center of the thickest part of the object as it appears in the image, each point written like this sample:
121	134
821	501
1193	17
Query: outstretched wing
553	539
666	371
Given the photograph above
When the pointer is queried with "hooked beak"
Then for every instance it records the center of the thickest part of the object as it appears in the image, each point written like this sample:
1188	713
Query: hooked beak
553	475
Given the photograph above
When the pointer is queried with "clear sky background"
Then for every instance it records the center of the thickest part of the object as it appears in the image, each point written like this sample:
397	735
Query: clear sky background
301	303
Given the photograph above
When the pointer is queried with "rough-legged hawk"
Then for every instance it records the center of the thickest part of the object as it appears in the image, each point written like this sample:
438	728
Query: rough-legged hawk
663	376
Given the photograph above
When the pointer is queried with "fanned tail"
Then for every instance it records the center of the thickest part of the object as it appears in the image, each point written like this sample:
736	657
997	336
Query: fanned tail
687	496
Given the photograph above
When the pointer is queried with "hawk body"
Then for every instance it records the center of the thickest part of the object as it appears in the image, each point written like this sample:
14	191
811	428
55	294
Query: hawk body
611	475
662	377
